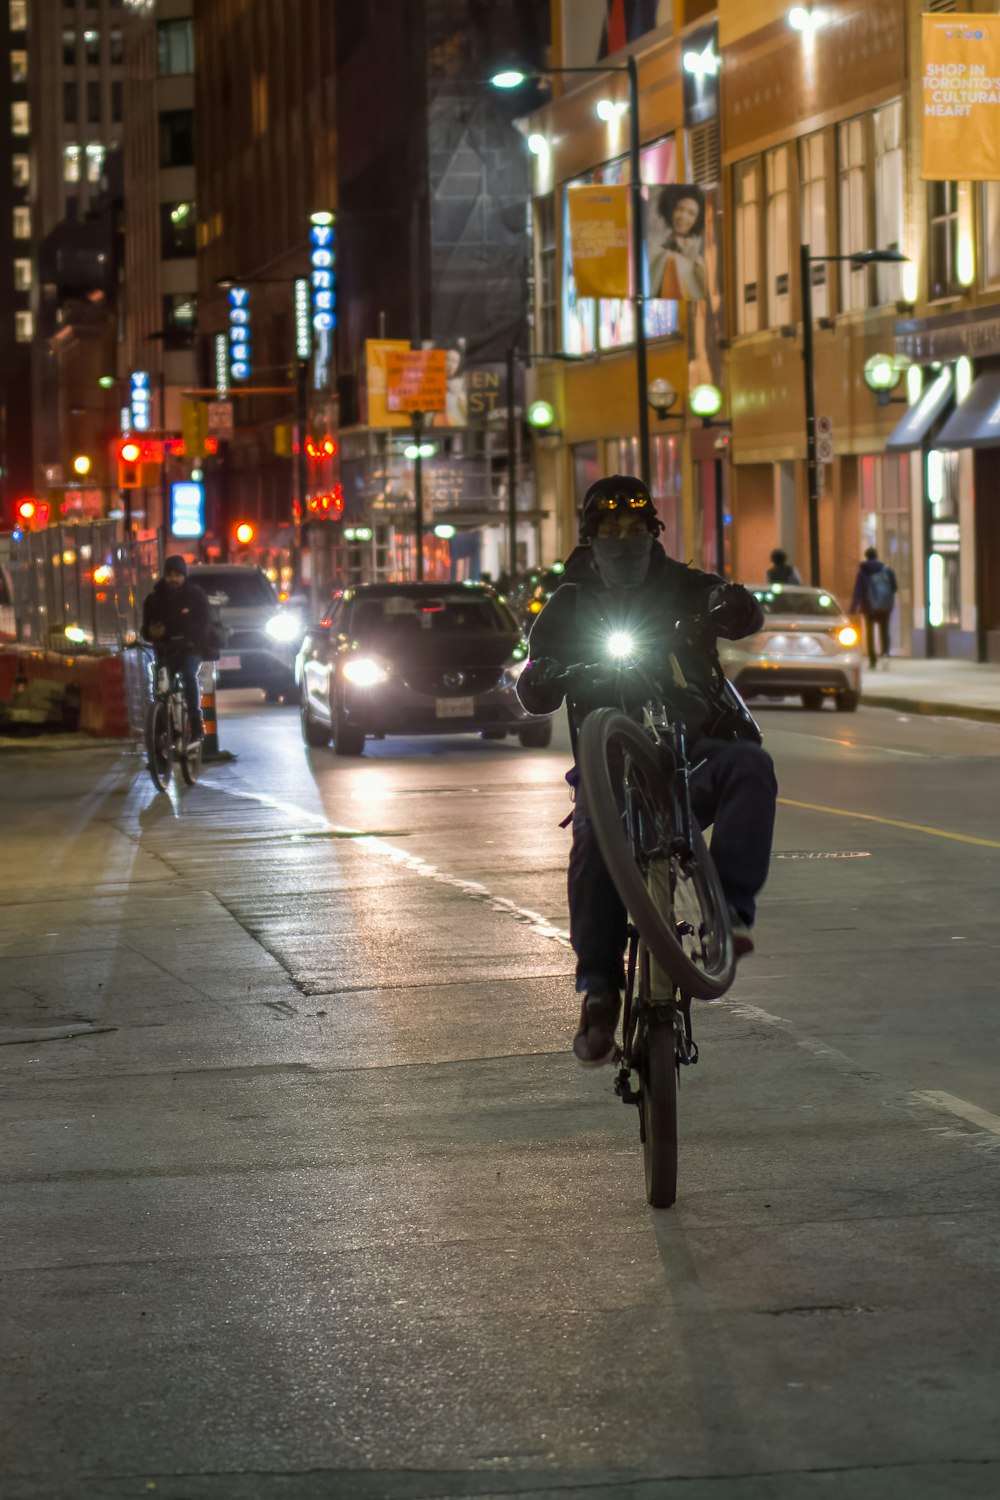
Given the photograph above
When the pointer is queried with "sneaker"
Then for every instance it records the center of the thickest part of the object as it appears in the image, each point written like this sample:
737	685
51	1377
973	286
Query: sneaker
594	1042
742	936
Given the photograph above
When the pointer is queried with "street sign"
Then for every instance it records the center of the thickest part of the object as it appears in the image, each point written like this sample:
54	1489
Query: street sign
220	420
824	427
193	428
824	450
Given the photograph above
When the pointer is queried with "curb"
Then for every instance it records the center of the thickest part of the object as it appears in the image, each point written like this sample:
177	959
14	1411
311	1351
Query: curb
940	710
62	743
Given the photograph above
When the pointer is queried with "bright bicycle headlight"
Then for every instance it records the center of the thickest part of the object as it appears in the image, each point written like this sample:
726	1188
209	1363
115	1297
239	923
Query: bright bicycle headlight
621	644
364	672
284	628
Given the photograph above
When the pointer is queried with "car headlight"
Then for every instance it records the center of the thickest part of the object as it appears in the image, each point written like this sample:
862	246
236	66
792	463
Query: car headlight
847	635
364	671
284	628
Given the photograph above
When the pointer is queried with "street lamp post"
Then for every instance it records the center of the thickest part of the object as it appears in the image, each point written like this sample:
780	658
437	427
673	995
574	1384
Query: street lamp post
806	261
513	78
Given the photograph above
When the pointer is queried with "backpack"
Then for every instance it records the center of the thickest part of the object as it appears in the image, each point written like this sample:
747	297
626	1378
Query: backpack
881	589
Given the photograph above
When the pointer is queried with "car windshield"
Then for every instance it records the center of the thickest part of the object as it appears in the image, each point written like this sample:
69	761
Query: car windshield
241	590
785	601
395	616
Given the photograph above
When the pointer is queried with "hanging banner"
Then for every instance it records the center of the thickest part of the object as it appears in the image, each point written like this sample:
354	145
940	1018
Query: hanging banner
961	97
598	231
376	353
675	242
416	380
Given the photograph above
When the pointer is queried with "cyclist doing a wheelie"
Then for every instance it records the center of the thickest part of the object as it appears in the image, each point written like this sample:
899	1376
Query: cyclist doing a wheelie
620	586
176	617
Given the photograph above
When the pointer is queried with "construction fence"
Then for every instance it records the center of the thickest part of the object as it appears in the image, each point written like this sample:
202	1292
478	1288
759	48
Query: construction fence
81	585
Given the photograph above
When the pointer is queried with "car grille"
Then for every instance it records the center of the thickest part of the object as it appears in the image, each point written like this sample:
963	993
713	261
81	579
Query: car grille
435	683
247	640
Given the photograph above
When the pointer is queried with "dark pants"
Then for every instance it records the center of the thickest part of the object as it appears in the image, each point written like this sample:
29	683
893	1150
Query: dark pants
734	791
879	618
188	666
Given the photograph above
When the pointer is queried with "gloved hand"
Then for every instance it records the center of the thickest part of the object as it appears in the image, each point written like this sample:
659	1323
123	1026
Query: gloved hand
734	611
546	672
541	685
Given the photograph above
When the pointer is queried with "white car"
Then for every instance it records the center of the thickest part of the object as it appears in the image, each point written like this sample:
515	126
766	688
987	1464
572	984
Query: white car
808	648
261	637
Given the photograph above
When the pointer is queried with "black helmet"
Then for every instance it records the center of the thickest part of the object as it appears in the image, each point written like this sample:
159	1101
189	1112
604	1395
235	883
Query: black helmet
617	492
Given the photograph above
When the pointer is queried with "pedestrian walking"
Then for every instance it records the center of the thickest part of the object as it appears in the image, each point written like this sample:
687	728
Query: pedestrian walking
875	590
781	570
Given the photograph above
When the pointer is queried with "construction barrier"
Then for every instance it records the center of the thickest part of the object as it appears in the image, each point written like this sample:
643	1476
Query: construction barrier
49	689
209	713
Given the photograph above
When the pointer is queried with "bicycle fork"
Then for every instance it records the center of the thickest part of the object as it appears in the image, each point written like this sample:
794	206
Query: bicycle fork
642	1009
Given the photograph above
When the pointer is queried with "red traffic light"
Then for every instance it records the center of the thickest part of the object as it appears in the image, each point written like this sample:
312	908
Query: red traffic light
329	505
26	511
129	451
245	533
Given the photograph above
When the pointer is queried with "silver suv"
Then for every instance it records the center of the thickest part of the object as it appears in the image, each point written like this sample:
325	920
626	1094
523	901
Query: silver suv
261	637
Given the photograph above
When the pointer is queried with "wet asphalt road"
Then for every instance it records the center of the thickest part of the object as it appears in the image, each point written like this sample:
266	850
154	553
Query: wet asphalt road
328	1209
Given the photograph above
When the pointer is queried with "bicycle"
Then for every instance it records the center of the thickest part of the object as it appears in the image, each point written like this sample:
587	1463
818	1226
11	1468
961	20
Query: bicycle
636	781
168	730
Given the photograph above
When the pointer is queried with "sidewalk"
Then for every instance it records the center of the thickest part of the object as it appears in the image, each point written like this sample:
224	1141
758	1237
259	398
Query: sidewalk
962	689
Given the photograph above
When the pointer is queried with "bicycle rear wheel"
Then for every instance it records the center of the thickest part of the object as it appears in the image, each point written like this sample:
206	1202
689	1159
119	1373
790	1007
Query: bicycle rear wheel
658	1075
159	744
674	898
190	759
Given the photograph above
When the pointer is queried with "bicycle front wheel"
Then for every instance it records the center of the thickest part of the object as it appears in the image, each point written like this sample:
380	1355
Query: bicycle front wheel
658	1075
673	896
159	744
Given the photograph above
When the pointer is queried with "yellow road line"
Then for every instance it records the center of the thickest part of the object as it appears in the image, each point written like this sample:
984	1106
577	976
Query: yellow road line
938	833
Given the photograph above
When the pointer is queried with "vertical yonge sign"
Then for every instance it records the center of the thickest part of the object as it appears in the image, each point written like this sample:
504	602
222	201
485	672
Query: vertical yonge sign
323	258
239	333
303	331
140	401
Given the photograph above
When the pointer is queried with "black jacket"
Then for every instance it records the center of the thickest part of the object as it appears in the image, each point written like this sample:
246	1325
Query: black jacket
577	621
186	614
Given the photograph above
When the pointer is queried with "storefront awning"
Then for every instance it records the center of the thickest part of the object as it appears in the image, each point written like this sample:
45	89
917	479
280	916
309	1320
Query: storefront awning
920	418
976	423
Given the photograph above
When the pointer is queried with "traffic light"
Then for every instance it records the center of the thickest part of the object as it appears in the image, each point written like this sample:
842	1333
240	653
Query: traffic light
129	464
32	515
244	533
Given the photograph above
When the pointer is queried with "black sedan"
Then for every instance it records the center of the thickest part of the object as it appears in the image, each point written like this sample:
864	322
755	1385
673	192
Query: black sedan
414	658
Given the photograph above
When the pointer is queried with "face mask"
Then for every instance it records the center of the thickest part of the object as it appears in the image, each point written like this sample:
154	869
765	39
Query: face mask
622	561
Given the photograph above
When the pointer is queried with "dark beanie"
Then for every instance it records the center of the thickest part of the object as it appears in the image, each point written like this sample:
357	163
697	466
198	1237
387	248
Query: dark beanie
175	564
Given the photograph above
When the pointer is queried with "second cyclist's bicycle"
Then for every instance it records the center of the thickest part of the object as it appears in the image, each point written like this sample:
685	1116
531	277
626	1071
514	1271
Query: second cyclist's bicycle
168	730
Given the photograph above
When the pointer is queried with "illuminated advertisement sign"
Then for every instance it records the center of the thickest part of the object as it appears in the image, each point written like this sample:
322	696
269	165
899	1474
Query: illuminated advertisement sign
140	401
239	333
187	509
221	366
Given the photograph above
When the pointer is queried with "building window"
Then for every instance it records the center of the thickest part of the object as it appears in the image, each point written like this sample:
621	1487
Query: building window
95	161
22	222
547	292
888	124
747	200
21	170
69	47
179	320
853	193
942	245
174	47
71	163
177	221
812	172
94	103
92	44
18	67
989	255
117	97
70	104
177	138
22	276
24	327
116	46
18	15
779	300
20	117
944	592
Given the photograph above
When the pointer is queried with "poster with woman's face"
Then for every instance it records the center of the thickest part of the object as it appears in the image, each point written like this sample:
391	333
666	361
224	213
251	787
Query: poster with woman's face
675	242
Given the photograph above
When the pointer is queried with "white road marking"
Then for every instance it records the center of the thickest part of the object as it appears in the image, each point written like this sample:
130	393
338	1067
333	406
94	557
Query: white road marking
376	845
961	1107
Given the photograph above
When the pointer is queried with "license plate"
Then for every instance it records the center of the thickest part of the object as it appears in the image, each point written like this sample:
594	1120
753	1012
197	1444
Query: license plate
229	664
455	708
